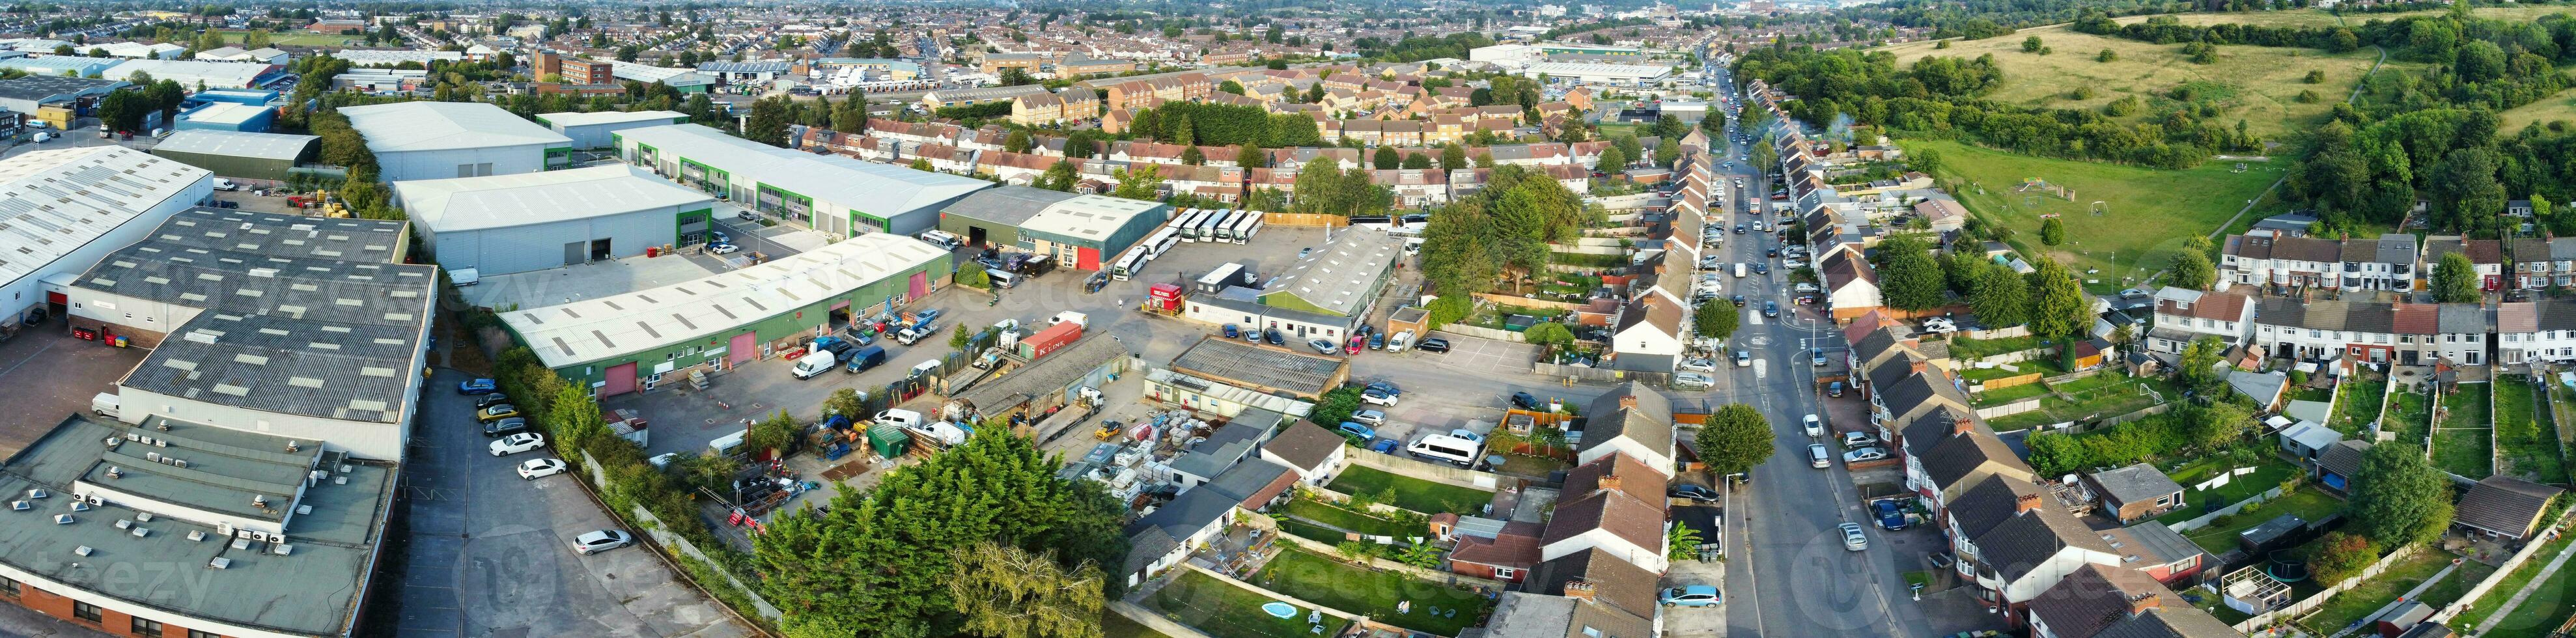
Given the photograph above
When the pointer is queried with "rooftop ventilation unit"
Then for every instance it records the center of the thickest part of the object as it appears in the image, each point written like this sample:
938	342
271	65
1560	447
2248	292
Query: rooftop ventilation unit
63	519
196	535
219	562
84	550
140	532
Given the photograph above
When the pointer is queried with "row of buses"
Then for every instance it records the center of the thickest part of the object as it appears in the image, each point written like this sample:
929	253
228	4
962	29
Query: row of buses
1188	225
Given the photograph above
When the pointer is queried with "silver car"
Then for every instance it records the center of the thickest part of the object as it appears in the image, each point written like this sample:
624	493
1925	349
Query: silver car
1854	538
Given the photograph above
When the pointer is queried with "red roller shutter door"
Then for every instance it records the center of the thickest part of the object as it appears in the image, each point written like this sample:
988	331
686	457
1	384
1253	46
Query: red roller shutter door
744	347
621	380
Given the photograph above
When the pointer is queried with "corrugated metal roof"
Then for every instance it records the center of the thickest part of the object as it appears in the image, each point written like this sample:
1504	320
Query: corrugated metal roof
503	201
646	320
430	126
60	200
272	146
569	119
881	189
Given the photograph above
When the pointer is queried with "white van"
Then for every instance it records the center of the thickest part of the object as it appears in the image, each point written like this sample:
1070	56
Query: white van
728	444
1445	448
105	404
899	418
1399	341
1002	279
925	368
814	363
1739	269
1077	318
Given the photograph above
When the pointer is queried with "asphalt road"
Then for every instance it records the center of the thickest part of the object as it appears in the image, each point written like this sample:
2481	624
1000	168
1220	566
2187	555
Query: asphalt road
1791	575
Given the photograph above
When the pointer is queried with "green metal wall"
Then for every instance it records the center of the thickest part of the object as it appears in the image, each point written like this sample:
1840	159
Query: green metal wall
864	301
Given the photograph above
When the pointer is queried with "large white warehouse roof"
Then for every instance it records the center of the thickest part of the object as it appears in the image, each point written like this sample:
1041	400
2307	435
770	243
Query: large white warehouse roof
56	201
431	126
646	320
881	188
503	201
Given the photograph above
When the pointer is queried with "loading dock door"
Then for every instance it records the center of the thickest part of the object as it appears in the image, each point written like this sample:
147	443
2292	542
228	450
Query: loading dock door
920	285
573	252
621	380
743	348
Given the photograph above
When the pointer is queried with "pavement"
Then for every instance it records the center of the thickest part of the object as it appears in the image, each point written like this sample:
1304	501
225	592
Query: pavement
489	553
50	375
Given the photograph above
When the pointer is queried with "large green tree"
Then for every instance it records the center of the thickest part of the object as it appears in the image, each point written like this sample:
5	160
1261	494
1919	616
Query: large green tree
1908	276
2397	497
1714	319
2059	309
879	562
2455	279
2191	269
768	122
1007	592
1997	294
2200	369
1735	439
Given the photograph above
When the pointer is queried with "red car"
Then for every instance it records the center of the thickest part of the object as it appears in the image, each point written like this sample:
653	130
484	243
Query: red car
1357	344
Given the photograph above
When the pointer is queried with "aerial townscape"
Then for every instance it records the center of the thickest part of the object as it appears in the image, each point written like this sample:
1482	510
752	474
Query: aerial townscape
1288	319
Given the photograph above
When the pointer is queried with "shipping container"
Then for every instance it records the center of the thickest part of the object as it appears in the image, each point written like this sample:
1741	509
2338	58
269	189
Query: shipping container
1048	340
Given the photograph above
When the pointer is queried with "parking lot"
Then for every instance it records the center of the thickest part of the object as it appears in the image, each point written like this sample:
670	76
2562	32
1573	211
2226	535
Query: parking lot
50	375
1482	355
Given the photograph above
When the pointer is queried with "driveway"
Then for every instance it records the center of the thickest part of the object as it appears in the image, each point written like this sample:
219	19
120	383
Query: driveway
489	554
50	375
1483	355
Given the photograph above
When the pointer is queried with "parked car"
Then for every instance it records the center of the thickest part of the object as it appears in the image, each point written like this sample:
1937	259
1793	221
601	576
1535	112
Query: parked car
1890	516
1818	354
1834	390
1372	418
1434	344
723	249
1854	538
1373	397
1231	331
1357	344
535	469
1274	337
505	427
1323	347
1857	439
1814	427
1699	365
516	443
476	386
1818	456
1692	493
1523	401
1387	387
597	541
222	184
1692	596
1349	428
497	412
1738	299
1864	455
1377	342
490	400
1743	359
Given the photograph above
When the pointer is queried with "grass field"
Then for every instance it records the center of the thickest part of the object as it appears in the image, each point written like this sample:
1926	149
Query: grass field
2150	212
2265	477
2513	582
1324	581
2353	604
1113	625
1412	493
2465	444
1226	611
2316	17
296	38
1329	514
2410	415
2307	502
2555	108
2359	404
2257	84
2528	436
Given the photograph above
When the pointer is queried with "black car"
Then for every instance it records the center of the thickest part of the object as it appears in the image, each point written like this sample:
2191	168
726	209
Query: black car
505	427
490	400
1762	269
1774	252
1770	308
1693	492
1275	338
1434	344
1739	301
1523	401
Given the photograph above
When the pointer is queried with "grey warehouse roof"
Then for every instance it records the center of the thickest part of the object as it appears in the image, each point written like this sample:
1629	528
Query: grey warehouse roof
1091	217
504	201
570	119
1227	359
430	126
1338	278
275	146
40	87
300	315
879	188
57	201
607	327
1010	205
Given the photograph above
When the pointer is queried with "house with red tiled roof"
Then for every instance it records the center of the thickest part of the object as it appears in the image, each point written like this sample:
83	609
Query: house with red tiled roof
2183	315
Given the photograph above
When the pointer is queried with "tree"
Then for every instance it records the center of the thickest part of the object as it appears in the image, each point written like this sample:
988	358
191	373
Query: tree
880	561
1667	150
1998	295
2059	309
1016	142
1417	161
2106	56
1454	157
2052	231
1250	156
774	433
768	122
2200	368
1190	155
2398	498
1335	406
1681	542
1137	182
1423	555
1735	439
2221	423
922	164
1613	159
1059	177
1548	333
1007	592
1909	278
2338	556
2031	44
2191	269
1714	319
2455	279
845	402
1766	156
1386	158
2314	77
1231	86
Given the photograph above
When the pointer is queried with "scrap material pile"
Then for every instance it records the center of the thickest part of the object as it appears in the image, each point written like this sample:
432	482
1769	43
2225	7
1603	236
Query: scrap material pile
1135	460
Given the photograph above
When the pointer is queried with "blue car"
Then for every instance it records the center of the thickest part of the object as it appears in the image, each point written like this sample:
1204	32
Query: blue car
1692	596
1386	446
1349	428
1232	332
477	386
1890	517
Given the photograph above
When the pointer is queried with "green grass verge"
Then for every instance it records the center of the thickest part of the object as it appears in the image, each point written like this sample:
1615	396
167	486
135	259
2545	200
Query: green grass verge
2528	435
2148	212
2000	396
1324	581
2362	600
1412	493
2307	502
1226	611
1336	516
2358	405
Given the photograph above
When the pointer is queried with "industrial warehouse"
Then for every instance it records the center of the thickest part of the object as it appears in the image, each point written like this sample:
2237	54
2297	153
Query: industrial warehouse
269	156
441	140
598	129
840	196
517	223
1079	231
51	187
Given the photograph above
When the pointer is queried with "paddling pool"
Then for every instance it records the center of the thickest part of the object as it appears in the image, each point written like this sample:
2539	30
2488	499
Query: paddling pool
1280	609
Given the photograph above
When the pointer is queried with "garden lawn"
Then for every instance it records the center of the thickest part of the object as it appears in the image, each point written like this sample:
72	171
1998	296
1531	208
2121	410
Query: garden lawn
2257	84
2542	612
2358	405
1336	516
1412	493
2149	212
2362	600
2307	502
2410	415
2527	434
1324	581
2265	477
2464	445
2000	396
1964	348
2516	581
1226	611
1116	625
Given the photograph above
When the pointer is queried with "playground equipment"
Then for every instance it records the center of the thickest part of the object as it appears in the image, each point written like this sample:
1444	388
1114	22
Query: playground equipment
2041	186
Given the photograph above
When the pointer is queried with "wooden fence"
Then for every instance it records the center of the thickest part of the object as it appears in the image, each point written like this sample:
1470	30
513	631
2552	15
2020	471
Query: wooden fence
2022	379
1434	472
2012	407
1315	220
2529	550
1481	332
1602	375
1526	302
2304	606
2231	508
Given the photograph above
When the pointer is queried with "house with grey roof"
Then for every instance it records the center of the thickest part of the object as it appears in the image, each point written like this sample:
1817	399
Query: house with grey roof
2096	601
2542	330
2463	330
1630	419
2135	492
2504	507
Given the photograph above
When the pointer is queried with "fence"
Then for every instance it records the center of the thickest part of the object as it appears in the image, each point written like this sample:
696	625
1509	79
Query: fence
1382	564
2005	332
2502	571
1526	302
1305	219
1601	375
2304	606
2075	376
661	535
2017	356
1480	332
2026	378
2144	412
1434	472
2231	508
2013	407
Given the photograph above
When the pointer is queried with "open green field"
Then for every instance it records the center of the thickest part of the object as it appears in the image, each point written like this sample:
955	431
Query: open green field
1324	581
296	38
2311	505
2559	107
1412	493
2527	435
2362	600
2149	212
2465	444
2358	405
2257	84
1226	611
2317	17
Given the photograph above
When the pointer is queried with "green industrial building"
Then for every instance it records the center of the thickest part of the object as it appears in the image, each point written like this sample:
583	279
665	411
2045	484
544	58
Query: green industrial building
263	156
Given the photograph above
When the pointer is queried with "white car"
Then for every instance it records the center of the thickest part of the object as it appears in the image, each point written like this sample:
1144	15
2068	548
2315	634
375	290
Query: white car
1743	359
1815	427
596	541
535	469
1805	287
723	249
1699	365
1864	455
1856	439
222	184
516	443
1854	538
1818	456
1939	325
1374	397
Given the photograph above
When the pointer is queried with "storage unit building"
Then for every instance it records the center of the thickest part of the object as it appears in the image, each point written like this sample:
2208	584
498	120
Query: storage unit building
993	216
55	98
444	140
517	223
1082	231
227	116
138	192
268	156
834	194
196	73
620	343
595	130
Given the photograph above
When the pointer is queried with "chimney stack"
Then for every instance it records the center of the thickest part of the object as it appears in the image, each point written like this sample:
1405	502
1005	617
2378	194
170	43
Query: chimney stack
1963	426
1917	366
2142	603
2026	503
1579	590
1628	402
1608	482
